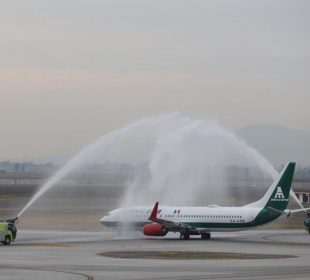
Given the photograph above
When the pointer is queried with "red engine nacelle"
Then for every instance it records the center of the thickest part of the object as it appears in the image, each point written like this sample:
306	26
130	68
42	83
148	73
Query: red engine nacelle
154	230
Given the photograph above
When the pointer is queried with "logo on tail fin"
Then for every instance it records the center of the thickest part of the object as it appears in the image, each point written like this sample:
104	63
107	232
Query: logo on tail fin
279	196
279	193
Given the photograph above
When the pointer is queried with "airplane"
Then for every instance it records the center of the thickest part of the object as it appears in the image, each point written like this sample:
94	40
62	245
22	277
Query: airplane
158	221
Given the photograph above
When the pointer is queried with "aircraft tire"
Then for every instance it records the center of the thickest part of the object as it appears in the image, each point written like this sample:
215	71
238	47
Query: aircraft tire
184	236
7	240
205	236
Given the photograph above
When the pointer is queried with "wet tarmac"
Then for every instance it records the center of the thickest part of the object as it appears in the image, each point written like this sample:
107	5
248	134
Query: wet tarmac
81	255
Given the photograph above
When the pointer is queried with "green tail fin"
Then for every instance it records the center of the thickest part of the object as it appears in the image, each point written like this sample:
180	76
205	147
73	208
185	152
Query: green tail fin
280	189
277	195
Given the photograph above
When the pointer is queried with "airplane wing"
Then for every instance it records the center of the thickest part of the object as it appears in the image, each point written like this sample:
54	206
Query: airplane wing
170	225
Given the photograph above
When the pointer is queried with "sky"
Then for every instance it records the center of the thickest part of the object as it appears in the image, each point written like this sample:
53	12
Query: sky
71	71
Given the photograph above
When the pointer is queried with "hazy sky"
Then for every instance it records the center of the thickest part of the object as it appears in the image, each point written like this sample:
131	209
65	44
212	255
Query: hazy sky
72	70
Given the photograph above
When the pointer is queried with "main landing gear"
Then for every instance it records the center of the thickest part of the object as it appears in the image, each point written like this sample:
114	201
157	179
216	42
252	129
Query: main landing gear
186	235
205	235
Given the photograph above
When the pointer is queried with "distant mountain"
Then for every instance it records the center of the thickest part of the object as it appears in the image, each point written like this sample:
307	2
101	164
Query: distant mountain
279	144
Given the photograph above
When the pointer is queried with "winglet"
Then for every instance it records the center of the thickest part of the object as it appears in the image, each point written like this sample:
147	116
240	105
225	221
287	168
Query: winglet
153	216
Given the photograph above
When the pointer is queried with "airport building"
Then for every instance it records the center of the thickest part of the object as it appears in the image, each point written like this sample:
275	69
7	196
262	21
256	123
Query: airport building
303	196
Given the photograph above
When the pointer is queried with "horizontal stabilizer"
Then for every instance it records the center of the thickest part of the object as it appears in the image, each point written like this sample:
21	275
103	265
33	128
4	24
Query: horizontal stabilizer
293	211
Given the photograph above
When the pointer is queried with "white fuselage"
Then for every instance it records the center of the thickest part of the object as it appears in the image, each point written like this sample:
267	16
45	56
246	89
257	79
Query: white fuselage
212	218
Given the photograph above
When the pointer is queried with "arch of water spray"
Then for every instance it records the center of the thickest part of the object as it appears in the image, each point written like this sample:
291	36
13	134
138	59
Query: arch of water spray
186	158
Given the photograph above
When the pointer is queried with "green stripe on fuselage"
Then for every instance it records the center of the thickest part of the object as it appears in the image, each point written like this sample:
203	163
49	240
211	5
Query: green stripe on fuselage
263	217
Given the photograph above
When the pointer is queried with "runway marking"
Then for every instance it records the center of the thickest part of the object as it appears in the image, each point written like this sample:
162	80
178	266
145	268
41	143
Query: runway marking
52	245
46	269
270	238
187	255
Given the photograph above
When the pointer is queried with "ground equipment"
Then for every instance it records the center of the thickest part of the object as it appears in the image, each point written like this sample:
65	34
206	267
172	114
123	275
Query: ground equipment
8	231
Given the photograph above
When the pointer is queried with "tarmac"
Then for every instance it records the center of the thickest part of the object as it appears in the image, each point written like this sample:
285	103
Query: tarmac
103	255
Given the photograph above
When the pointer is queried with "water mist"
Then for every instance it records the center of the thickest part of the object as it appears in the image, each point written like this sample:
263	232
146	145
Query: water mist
187	160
